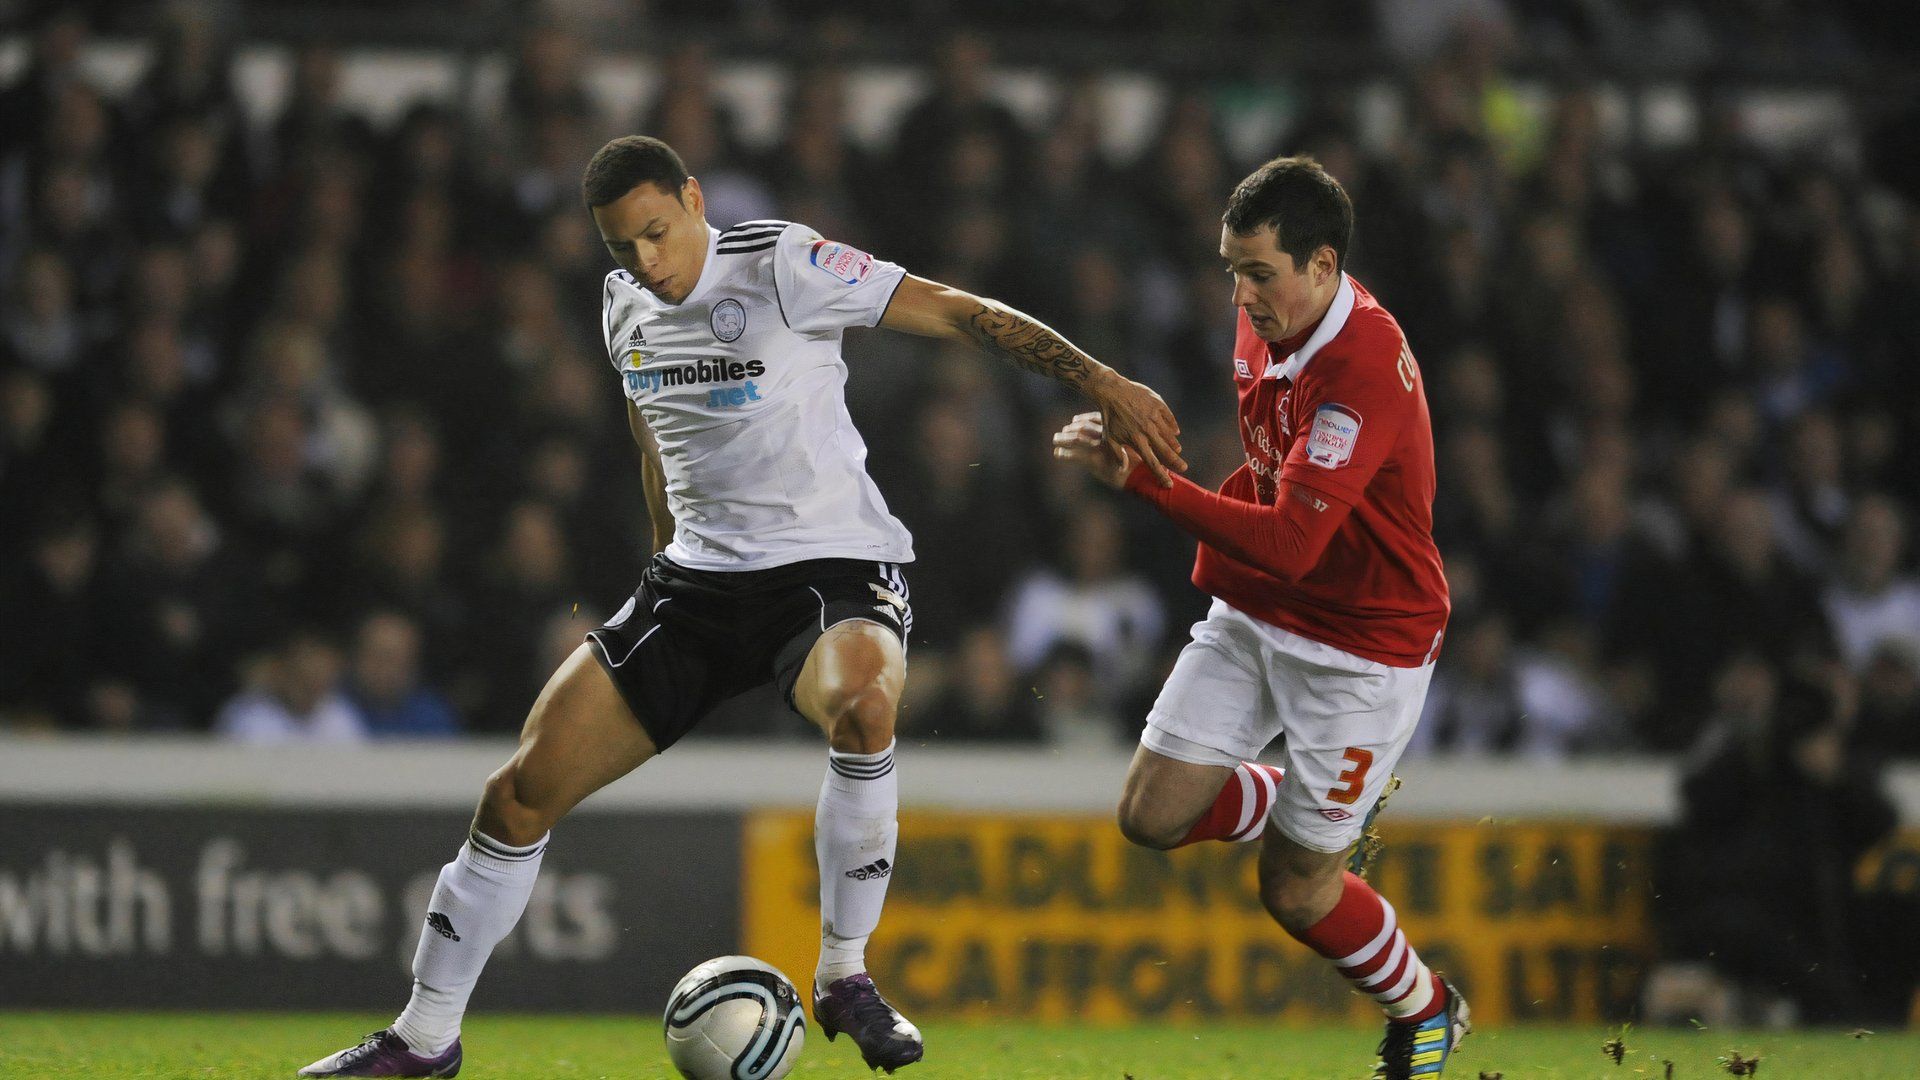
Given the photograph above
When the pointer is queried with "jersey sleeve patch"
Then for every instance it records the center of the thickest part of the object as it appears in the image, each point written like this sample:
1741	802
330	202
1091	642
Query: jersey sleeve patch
849	264
1336	429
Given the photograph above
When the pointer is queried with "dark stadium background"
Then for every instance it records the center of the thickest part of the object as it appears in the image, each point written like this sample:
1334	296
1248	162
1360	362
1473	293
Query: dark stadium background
303	407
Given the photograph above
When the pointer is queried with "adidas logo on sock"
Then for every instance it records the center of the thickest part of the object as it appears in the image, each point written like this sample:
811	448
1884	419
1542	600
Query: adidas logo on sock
874	869
442	925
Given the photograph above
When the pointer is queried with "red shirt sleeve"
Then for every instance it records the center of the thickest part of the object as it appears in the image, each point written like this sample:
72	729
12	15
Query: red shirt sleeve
1358	412
1285	539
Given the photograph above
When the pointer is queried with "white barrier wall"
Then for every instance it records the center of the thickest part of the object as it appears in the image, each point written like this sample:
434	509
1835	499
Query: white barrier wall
715	774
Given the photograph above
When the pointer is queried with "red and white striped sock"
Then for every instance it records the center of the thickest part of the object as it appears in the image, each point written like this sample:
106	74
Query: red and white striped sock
1240	812
1363	939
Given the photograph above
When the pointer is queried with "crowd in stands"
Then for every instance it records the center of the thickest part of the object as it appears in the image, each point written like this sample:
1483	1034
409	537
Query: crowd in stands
306	430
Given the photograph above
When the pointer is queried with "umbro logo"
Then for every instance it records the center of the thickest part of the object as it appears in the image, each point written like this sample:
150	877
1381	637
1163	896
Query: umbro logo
876	869
442	925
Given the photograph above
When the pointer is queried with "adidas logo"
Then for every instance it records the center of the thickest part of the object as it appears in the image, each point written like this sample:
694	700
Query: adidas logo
442	925
874	869
634	339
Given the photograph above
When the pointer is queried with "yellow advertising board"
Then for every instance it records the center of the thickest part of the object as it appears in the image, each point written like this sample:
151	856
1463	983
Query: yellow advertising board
1059	918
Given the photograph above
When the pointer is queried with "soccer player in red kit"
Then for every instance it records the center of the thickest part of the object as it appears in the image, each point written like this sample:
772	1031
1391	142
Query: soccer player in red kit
1330	602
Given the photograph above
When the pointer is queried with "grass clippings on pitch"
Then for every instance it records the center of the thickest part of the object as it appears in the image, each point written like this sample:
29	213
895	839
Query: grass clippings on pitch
204	1046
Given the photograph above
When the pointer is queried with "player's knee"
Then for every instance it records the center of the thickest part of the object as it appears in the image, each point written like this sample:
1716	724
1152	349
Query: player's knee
506	816
859	716
1147	826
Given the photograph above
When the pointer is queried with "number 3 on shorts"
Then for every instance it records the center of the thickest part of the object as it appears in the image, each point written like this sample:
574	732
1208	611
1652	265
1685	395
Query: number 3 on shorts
1353	780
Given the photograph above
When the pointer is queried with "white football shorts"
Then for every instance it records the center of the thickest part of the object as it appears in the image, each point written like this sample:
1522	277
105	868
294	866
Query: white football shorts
1241	683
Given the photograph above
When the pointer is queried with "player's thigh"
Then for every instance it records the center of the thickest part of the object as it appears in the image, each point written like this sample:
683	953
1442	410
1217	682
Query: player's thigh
1216	707
1347	722
580	736
1213	713
852	677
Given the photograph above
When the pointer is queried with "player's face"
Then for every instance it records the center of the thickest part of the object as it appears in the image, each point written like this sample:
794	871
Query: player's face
1279	296
659	237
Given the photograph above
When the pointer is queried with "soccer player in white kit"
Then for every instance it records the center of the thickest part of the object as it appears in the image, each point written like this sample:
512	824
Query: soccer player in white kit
775	561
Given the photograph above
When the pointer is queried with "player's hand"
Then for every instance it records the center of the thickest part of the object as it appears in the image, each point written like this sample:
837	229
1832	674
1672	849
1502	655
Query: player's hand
1136	418
1084	443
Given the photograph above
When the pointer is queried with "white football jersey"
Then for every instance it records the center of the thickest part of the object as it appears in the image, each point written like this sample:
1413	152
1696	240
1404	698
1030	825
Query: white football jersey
743	386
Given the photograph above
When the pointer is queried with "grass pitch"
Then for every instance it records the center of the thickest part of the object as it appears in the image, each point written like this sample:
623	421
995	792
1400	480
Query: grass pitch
209	1046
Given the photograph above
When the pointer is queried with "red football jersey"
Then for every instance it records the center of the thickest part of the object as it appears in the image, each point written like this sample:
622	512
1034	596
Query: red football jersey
1344	417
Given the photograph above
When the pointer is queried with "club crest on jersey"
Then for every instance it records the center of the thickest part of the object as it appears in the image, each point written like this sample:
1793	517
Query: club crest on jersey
1335	429
850	265
729	320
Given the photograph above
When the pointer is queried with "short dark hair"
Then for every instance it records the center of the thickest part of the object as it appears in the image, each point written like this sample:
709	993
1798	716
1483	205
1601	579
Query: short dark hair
1306	207
626	163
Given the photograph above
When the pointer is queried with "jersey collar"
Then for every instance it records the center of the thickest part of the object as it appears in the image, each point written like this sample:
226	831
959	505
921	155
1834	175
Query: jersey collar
709	270
1334	322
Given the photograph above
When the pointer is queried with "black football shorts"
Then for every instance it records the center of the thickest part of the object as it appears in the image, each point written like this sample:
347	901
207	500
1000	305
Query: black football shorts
691	639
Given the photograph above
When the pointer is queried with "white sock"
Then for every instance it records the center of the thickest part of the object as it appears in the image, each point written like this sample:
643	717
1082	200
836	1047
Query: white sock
854	832
481	895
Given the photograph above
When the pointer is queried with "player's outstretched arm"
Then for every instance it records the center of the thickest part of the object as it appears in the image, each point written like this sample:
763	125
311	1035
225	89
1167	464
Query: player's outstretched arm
653	479
1135	416
1285	539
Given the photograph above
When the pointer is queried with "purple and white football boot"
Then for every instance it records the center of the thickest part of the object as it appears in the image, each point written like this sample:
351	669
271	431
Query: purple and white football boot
886	1039
385	1054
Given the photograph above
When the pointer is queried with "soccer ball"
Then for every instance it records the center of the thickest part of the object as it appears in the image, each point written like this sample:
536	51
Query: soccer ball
735	1018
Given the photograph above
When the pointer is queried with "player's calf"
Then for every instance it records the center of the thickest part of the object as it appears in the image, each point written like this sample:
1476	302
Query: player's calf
1360	933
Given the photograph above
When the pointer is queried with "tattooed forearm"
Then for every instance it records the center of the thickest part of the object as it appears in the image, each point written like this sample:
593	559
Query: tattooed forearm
1030	344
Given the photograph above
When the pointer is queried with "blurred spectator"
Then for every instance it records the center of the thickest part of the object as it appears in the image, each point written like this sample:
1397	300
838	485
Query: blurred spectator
314	121
29	447
172	622
527	580
59	33
1776	772
689	115
1075	715
969	537
1474	701
1871	603
1682	622
1099	605
48	643
384	688
297	698
1890	701
983	697
1491	697
133	456
399	561
43	330
1810	506
1791	375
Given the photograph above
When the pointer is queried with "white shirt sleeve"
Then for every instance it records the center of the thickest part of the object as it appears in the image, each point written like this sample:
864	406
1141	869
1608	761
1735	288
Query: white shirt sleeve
607	312
825	286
